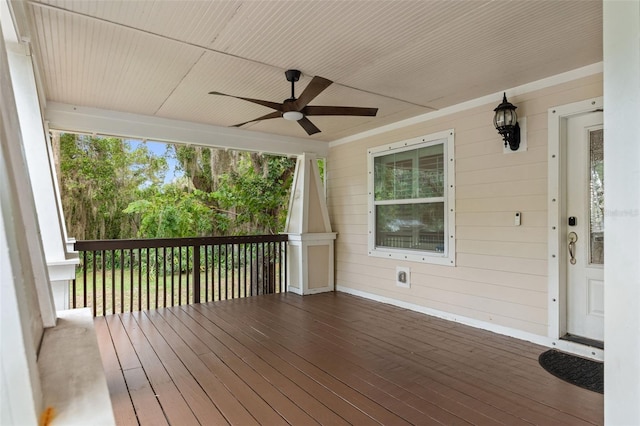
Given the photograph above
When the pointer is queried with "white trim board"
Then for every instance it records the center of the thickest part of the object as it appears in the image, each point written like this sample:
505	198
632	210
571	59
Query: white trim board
492	98
566	346
557	291
77	119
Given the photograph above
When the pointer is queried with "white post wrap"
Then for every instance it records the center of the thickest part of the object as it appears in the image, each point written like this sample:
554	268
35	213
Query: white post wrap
60	263
621	21
310	253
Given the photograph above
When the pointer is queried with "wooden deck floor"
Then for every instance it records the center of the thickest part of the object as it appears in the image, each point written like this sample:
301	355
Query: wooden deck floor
330	359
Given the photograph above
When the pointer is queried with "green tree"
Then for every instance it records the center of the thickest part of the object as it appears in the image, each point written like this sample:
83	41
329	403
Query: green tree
99	177
174	212
249	189
114	189
257	191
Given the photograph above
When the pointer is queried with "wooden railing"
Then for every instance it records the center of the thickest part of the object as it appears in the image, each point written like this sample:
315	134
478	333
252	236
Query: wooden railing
132	275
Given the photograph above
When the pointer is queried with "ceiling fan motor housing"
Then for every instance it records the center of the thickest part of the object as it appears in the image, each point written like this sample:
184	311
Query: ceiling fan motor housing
292	75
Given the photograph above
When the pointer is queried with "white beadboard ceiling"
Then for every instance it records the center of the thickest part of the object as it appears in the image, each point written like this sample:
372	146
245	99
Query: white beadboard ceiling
161	58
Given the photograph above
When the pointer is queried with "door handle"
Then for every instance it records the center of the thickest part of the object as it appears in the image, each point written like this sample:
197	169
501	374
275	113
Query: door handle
573	237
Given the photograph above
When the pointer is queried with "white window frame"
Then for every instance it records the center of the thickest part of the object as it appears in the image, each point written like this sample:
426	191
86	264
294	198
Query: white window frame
448	256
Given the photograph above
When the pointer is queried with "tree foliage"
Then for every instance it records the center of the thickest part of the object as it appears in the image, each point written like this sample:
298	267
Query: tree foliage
172	213
99	177
111	189
257	192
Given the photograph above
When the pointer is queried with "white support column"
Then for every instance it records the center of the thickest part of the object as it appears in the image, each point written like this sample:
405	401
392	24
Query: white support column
621	21
21	263
60	263
310	254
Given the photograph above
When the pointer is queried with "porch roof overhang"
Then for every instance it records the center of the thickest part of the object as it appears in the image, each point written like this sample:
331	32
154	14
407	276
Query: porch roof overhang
118	60
64	117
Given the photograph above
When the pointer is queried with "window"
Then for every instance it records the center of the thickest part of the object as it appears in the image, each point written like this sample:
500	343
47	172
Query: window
411	200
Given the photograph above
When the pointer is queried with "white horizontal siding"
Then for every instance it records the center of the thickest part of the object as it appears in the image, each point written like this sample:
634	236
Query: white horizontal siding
501	272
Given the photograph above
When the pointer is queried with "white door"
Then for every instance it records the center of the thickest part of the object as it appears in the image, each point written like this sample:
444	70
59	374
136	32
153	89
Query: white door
585	226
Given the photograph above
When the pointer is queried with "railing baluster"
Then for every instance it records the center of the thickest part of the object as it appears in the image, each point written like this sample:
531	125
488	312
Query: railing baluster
121	280
130	280
252	265
253	279
262	272
218	262
84	279
233	270
286	268
173	296
279	255
157	277
283	265
104	286
139	279
226	271
196	273
187	276
148	283
113	283
206	273
244	265
179	275
271	284
164	275
93	300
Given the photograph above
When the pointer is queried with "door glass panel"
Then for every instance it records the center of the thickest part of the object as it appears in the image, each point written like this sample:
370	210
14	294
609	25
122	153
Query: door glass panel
596	185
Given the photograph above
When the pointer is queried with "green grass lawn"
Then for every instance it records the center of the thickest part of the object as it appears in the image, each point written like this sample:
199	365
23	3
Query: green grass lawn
120	291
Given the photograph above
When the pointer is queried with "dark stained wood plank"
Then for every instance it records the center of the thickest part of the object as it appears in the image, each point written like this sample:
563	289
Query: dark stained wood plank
147	408
229	406
333	358
199	402
360	401
337	364
486	374
401	350
126	354
481	362
308	394
120	400
173	403
342	364
226	364
144	400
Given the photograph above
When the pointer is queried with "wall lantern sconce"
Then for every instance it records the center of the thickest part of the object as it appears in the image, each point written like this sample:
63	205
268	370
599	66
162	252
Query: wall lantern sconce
506	121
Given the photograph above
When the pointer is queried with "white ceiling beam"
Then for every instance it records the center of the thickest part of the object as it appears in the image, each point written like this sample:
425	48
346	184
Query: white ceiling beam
76	119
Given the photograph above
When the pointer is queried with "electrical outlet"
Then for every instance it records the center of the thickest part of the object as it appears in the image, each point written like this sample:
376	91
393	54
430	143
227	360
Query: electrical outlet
403	277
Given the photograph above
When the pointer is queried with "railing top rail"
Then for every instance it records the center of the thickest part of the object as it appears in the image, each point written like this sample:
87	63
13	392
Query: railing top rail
88	245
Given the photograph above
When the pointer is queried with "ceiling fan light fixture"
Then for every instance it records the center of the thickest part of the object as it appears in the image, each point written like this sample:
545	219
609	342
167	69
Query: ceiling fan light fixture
292	115
298	109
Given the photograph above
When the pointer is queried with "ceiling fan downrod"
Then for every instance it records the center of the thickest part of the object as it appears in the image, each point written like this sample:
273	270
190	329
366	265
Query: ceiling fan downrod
292	76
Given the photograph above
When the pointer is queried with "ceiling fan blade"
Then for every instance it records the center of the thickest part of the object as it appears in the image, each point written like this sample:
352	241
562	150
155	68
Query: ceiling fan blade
308	126
313	89
339	110
272	105
275	114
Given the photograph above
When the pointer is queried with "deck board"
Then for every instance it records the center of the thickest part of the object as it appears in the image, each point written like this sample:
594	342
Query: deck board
176	409
326	359
120	398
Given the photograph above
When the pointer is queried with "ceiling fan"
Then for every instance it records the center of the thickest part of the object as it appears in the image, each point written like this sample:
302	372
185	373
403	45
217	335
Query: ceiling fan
297	109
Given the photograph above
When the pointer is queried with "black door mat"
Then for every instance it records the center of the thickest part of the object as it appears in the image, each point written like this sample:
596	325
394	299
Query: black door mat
579	371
